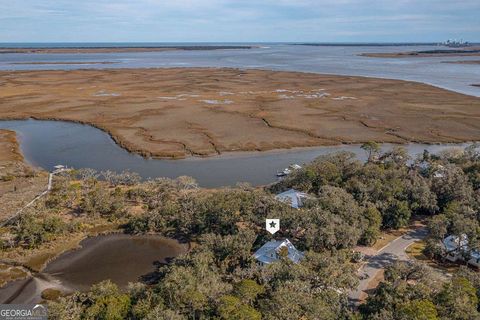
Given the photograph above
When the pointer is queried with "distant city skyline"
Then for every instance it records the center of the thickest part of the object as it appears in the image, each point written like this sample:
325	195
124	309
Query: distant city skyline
239	21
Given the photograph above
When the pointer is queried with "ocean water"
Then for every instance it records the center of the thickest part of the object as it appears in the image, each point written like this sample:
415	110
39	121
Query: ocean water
334	59
47	143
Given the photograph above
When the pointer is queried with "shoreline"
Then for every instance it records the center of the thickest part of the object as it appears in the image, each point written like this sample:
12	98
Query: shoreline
63	63
11	141
20	182
467	52
87	243
142	140
236	154
118	49
463	62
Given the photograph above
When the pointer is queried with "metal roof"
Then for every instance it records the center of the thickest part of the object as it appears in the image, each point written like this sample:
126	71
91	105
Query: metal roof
453	243
293	197
268	253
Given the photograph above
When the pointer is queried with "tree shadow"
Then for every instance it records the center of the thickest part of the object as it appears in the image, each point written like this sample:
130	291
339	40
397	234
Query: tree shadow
382	260
155	276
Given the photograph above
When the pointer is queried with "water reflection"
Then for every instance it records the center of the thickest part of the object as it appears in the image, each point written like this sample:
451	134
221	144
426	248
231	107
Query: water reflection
48	143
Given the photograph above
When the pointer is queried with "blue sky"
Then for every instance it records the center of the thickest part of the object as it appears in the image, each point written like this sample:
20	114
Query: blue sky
238	20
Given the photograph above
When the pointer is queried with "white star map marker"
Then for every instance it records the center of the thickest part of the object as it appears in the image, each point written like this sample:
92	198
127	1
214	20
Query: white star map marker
272	225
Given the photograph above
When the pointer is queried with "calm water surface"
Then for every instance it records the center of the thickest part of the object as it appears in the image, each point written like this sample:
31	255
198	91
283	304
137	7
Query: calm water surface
341	60
119	257
48	143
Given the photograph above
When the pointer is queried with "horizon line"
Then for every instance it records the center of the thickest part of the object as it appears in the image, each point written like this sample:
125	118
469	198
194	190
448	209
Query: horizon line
236	42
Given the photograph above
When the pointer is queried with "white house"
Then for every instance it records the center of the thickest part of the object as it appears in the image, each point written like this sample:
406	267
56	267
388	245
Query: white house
293	197
454	246
270	251
457	247
439	172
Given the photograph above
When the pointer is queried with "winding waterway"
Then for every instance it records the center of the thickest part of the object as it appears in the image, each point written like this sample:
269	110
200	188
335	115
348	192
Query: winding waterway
48	143
124	258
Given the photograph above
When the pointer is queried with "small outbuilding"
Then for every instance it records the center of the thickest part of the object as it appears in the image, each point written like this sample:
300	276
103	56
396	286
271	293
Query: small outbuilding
271	251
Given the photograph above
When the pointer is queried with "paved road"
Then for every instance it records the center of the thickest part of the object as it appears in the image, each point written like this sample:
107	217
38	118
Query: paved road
392	252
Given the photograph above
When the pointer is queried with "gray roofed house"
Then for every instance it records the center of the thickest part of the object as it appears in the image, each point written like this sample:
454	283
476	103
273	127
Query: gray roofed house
269	252
457	247
293	197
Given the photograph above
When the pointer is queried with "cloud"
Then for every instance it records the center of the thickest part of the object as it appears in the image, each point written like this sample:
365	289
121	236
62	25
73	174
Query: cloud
235	20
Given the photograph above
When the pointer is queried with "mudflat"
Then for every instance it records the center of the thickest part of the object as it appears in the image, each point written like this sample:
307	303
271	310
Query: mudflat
180	112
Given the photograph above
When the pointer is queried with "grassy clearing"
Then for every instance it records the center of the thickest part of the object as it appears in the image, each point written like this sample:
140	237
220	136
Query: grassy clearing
415	251
51	294
20	190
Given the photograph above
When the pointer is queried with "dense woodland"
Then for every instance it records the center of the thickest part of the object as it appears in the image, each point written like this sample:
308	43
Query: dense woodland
352	203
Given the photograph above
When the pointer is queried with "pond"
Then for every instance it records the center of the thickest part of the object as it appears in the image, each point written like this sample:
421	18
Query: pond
119	257
48	143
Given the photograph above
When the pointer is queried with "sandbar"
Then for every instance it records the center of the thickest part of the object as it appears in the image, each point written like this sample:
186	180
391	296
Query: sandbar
183	112
66	50
61	62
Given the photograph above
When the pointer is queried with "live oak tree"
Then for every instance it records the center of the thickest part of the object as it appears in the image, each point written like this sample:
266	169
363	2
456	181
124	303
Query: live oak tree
231	307
371	148
458	300
351	202
410	292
